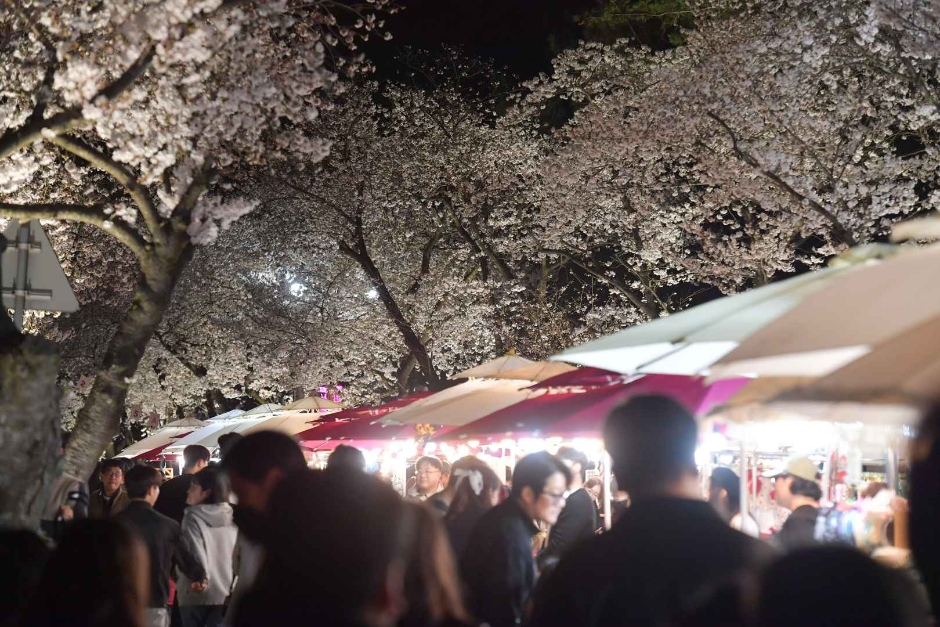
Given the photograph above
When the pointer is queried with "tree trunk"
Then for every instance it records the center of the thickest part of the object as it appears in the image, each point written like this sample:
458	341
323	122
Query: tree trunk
99	419
30	432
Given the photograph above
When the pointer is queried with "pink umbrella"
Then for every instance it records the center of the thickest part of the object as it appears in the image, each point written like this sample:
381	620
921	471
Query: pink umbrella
580	412
362	423
586	376
373	411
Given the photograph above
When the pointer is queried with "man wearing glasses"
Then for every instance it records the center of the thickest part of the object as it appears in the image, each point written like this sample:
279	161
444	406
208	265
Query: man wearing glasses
428	473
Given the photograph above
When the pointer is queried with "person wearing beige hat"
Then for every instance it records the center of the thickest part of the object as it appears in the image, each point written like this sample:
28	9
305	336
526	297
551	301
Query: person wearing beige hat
797	489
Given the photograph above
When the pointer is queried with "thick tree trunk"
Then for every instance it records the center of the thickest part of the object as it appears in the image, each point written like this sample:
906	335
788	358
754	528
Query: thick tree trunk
30	432
99	419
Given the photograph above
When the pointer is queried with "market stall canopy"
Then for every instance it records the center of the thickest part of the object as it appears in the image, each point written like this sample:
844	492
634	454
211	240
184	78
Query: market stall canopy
688	342
159	440
858	310
536	371
314	403
585	376
490	369
360	432
267	408
285	423
186	423
581	412
462	403
209	436
235	413
375	411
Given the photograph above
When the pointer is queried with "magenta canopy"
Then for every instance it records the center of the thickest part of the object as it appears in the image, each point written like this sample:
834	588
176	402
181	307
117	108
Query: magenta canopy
580	411
363	423
586	376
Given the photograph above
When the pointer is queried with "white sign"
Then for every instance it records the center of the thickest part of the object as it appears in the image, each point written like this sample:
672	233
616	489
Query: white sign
30	274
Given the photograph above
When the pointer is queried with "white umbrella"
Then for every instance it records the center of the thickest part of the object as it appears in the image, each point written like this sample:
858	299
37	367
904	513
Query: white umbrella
537	371
163	437
227	415
268	408
186	423
462	404
857	311
291	424
314	403
209	436
688	342
492	368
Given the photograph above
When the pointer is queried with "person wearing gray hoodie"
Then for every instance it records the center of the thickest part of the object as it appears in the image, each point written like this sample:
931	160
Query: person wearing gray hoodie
210	532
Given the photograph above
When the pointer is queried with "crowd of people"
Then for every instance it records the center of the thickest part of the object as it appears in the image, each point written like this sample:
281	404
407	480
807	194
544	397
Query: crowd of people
261	539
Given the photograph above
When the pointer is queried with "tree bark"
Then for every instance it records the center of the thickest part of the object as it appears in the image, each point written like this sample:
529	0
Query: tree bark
99	419
30	431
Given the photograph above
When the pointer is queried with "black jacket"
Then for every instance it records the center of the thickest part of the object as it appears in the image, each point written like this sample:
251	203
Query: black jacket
577	523
799	530
461	526
498	566
164	541
172	499
661	558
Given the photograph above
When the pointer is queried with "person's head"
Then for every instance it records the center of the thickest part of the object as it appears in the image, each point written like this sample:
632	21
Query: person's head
98	576
361	539
25	556
432	586
577	463
445	473
143	484
925	503
724	492
834	586
539	484
595	487
348	457
468	462
797	483
257	463
195	458
227	441
111	475
208	487
651	441
428	473
476	487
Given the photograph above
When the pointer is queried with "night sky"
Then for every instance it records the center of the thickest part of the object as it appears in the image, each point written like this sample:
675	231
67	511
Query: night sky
522	35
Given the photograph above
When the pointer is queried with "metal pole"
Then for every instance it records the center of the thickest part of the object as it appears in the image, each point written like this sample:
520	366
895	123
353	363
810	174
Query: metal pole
891	468
22	272
742	489
607	517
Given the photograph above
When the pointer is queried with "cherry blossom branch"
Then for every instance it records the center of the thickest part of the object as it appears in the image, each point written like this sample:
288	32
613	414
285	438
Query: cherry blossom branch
93	214
13	140
122	175
837	228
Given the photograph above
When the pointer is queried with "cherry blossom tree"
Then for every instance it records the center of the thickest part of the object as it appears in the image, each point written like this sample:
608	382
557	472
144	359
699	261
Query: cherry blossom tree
127	116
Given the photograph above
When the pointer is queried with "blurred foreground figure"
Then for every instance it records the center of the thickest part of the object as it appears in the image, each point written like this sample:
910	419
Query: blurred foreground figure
432	586
836	587
334	555
97	577
347	457
23	555
925	505
578	521
498	566
668	549
256	465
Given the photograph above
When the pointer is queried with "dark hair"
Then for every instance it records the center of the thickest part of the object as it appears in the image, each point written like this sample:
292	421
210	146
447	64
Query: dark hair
651	440
433	461
194	453
573	455
359	539
114	462
347	456
432	586
728	480
806	488
140	479
835	586
254	456
24	555
93	579
872	489
925	503
465	498
215	481
227	441
445	468
534	470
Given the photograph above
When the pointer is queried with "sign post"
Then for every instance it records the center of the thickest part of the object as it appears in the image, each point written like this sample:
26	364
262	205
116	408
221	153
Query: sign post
30	274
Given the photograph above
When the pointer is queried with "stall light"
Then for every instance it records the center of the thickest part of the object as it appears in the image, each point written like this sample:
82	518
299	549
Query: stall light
463	450
701	457
725	459
430	447
473	443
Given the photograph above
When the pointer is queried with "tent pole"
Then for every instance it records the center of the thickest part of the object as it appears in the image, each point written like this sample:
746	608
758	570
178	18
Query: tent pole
607	521
743	490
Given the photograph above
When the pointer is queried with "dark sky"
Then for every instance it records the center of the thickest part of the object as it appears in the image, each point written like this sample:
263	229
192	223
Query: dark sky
520	34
